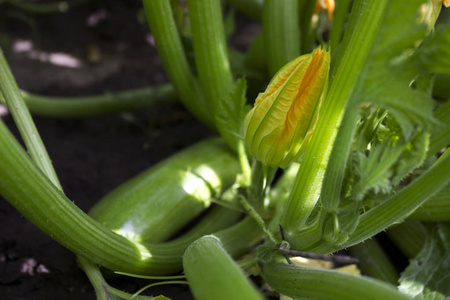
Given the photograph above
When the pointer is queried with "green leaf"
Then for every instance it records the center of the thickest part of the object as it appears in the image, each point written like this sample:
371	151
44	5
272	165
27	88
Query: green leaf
390	69
427	275
231	112
267	252
412	157
434	53
374	170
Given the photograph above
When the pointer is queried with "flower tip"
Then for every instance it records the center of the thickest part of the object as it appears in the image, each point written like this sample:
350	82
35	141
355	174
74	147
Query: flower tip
279	126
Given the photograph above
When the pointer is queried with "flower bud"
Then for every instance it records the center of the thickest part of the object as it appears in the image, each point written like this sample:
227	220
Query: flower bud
280	124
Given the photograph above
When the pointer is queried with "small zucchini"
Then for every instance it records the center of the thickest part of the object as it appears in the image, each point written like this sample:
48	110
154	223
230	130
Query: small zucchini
212	273
157	203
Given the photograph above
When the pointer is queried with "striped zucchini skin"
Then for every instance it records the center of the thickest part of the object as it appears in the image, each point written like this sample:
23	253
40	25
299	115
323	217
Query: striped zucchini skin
212	273
157	203
310	283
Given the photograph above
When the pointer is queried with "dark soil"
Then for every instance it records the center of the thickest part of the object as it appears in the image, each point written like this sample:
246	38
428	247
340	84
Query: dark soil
92	155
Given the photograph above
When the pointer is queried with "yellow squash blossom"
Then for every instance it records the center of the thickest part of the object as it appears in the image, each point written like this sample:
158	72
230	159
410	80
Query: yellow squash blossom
280	124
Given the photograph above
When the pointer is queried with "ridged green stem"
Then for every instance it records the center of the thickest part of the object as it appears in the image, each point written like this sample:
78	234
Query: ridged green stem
339	16
309	283
440	137
307	36
24	122
308	184
335	172
409	237
210	51
252	8
337	54
164	30
212	273
373	261
79	107
281	32
103	290
436	209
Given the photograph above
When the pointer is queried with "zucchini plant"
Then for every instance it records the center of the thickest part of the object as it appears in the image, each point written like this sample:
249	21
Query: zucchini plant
349	139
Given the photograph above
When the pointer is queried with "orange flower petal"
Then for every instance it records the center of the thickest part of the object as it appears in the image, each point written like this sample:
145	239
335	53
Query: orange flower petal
277	126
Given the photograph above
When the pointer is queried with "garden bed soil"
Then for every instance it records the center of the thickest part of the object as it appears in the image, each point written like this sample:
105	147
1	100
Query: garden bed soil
95	48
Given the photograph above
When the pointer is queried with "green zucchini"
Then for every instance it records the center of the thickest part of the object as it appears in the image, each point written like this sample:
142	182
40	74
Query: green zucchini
25	187
157	203
310	283
212	273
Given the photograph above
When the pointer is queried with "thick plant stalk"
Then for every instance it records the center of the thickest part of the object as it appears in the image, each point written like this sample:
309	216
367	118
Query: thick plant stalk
162	25
373	261
79	107
103	290
281	32
309	283
212	273
338	53
307	37
339	17
24	122
436	209
210	50
308	184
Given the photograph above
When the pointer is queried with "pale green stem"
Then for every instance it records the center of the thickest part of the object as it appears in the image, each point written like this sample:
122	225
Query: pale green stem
307	36
78	107
335	172
436	209
337	54
210	51
24	122
308	184
103	290
164	30
339	16
281	32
